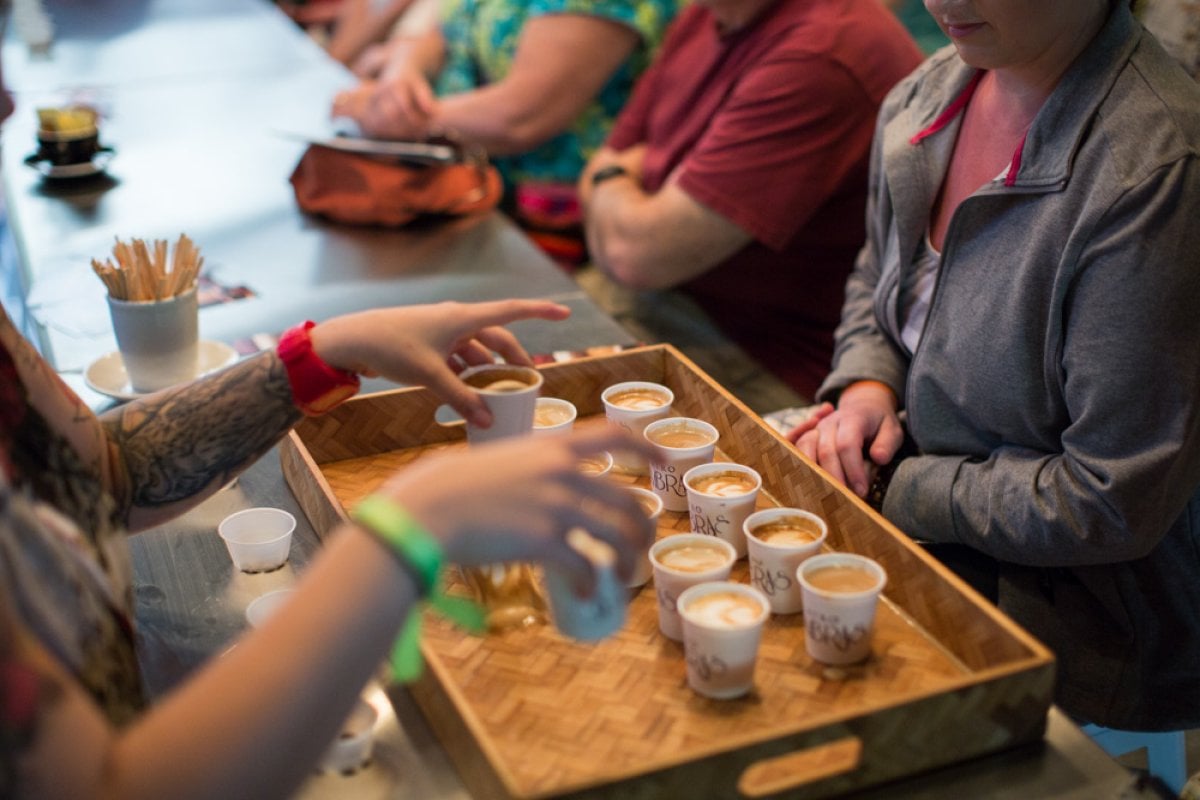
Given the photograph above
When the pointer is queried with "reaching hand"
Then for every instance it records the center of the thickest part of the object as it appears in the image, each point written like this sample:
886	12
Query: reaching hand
865	422
415	344
515	500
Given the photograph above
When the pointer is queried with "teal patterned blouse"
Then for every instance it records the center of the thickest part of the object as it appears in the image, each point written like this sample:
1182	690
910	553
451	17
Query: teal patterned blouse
481	41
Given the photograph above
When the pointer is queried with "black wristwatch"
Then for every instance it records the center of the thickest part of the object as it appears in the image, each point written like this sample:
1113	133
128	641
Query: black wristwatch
604	173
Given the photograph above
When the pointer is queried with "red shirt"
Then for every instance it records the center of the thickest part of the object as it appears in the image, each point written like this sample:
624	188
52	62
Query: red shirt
771	127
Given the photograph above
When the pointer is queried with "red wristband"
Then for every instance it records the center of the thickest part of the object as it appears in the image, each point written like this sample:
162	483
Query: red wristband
316	386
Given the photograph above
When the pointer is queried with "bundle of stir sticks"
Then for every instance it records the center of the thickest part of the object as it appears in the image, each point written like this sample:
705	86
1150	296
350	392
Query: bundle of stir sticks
143	273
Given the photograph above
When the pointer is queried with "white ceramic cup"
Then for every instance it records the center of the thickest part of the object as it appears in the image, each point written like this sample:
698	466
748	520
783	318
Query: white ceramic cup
652	505
778	540
352	747
258	539
599	615
510	392
681	443
722	626
553	415
722	511
839	620
649	401
671	579
159	340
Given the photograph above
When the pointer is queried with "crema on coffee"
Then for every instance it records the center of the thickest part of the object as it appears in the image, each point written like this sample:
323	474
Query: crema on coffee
724	484
841	579
789	530
638	399
725	610
693	558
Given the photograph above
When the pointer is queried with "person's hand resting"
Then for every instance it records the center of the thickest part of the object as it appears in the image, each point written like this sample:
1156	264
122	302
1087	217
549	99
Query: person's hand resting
851	441
515	500
401	107
429	344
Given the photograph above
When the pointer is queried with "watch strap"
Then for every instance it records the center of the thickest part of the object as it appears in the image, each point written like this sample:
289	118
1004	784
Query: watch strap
316	386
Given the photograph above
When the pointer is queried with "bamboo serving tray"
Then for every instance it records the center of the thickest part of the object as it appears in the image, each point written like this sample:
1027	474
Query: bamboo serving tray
529	714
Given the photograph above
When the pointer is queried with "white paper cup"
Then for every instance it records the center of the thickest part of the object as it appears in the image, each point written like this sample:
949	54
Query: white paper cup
681	443
158	339
264	607
597	466
593	618
839	622
351	750
778	540
652	505
258	539
647	402
670	580
553	415
512	408
722	511
722	626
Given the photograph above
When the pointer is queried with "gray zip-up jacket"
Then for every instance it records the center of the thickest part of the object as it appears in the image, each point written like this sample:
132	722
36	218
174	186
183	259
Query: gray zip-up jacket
1055	392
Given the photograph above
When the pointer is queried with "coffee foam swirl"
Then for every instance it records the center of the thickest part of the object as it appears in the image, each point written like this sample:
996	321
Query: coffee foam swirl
724	610
724	485
693	558
638	399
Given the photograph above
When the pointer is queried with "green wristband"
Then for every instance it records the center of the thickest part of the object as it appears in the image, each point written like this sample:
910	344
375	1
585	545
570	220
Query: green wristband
417	550
404	535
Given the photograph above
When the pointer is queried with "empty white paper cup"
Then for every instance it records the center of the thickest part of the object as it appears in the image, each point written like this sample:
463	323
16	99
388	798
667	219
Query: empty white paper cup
264	607
258	539
839	615
354	743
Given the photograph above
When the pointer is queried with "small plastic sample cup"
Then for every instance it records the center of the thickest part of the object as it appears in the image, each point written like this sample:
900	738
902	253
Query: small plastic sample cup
264	607
351	750
258	539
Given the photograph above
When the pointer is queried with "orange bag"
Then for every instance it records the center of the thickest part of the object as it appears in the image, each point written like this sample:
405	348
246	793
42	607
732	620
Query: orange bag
363	189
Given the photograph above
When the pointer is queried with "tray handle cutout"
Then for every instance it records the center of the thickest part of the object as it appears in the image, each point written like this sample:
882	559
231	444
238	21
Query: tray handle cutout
780	773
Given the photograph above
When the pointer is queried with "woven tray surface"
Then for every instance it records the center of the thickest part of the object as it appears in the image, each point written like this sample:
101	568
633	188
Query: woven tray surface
554	709
550	716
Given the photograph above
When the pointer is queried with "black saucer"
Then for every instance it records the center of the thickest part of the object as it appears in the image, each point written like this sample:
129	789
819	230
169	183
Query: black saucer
84	169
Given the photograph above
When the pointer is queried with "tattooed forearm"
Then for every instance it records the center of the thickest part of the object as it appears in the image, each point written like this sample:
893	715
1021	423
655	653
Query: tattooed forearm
176	444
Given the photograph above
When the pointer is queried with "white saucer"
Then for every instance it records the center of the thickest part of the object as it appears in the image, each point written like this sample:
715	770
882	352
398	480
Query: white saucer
107	375
94	166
